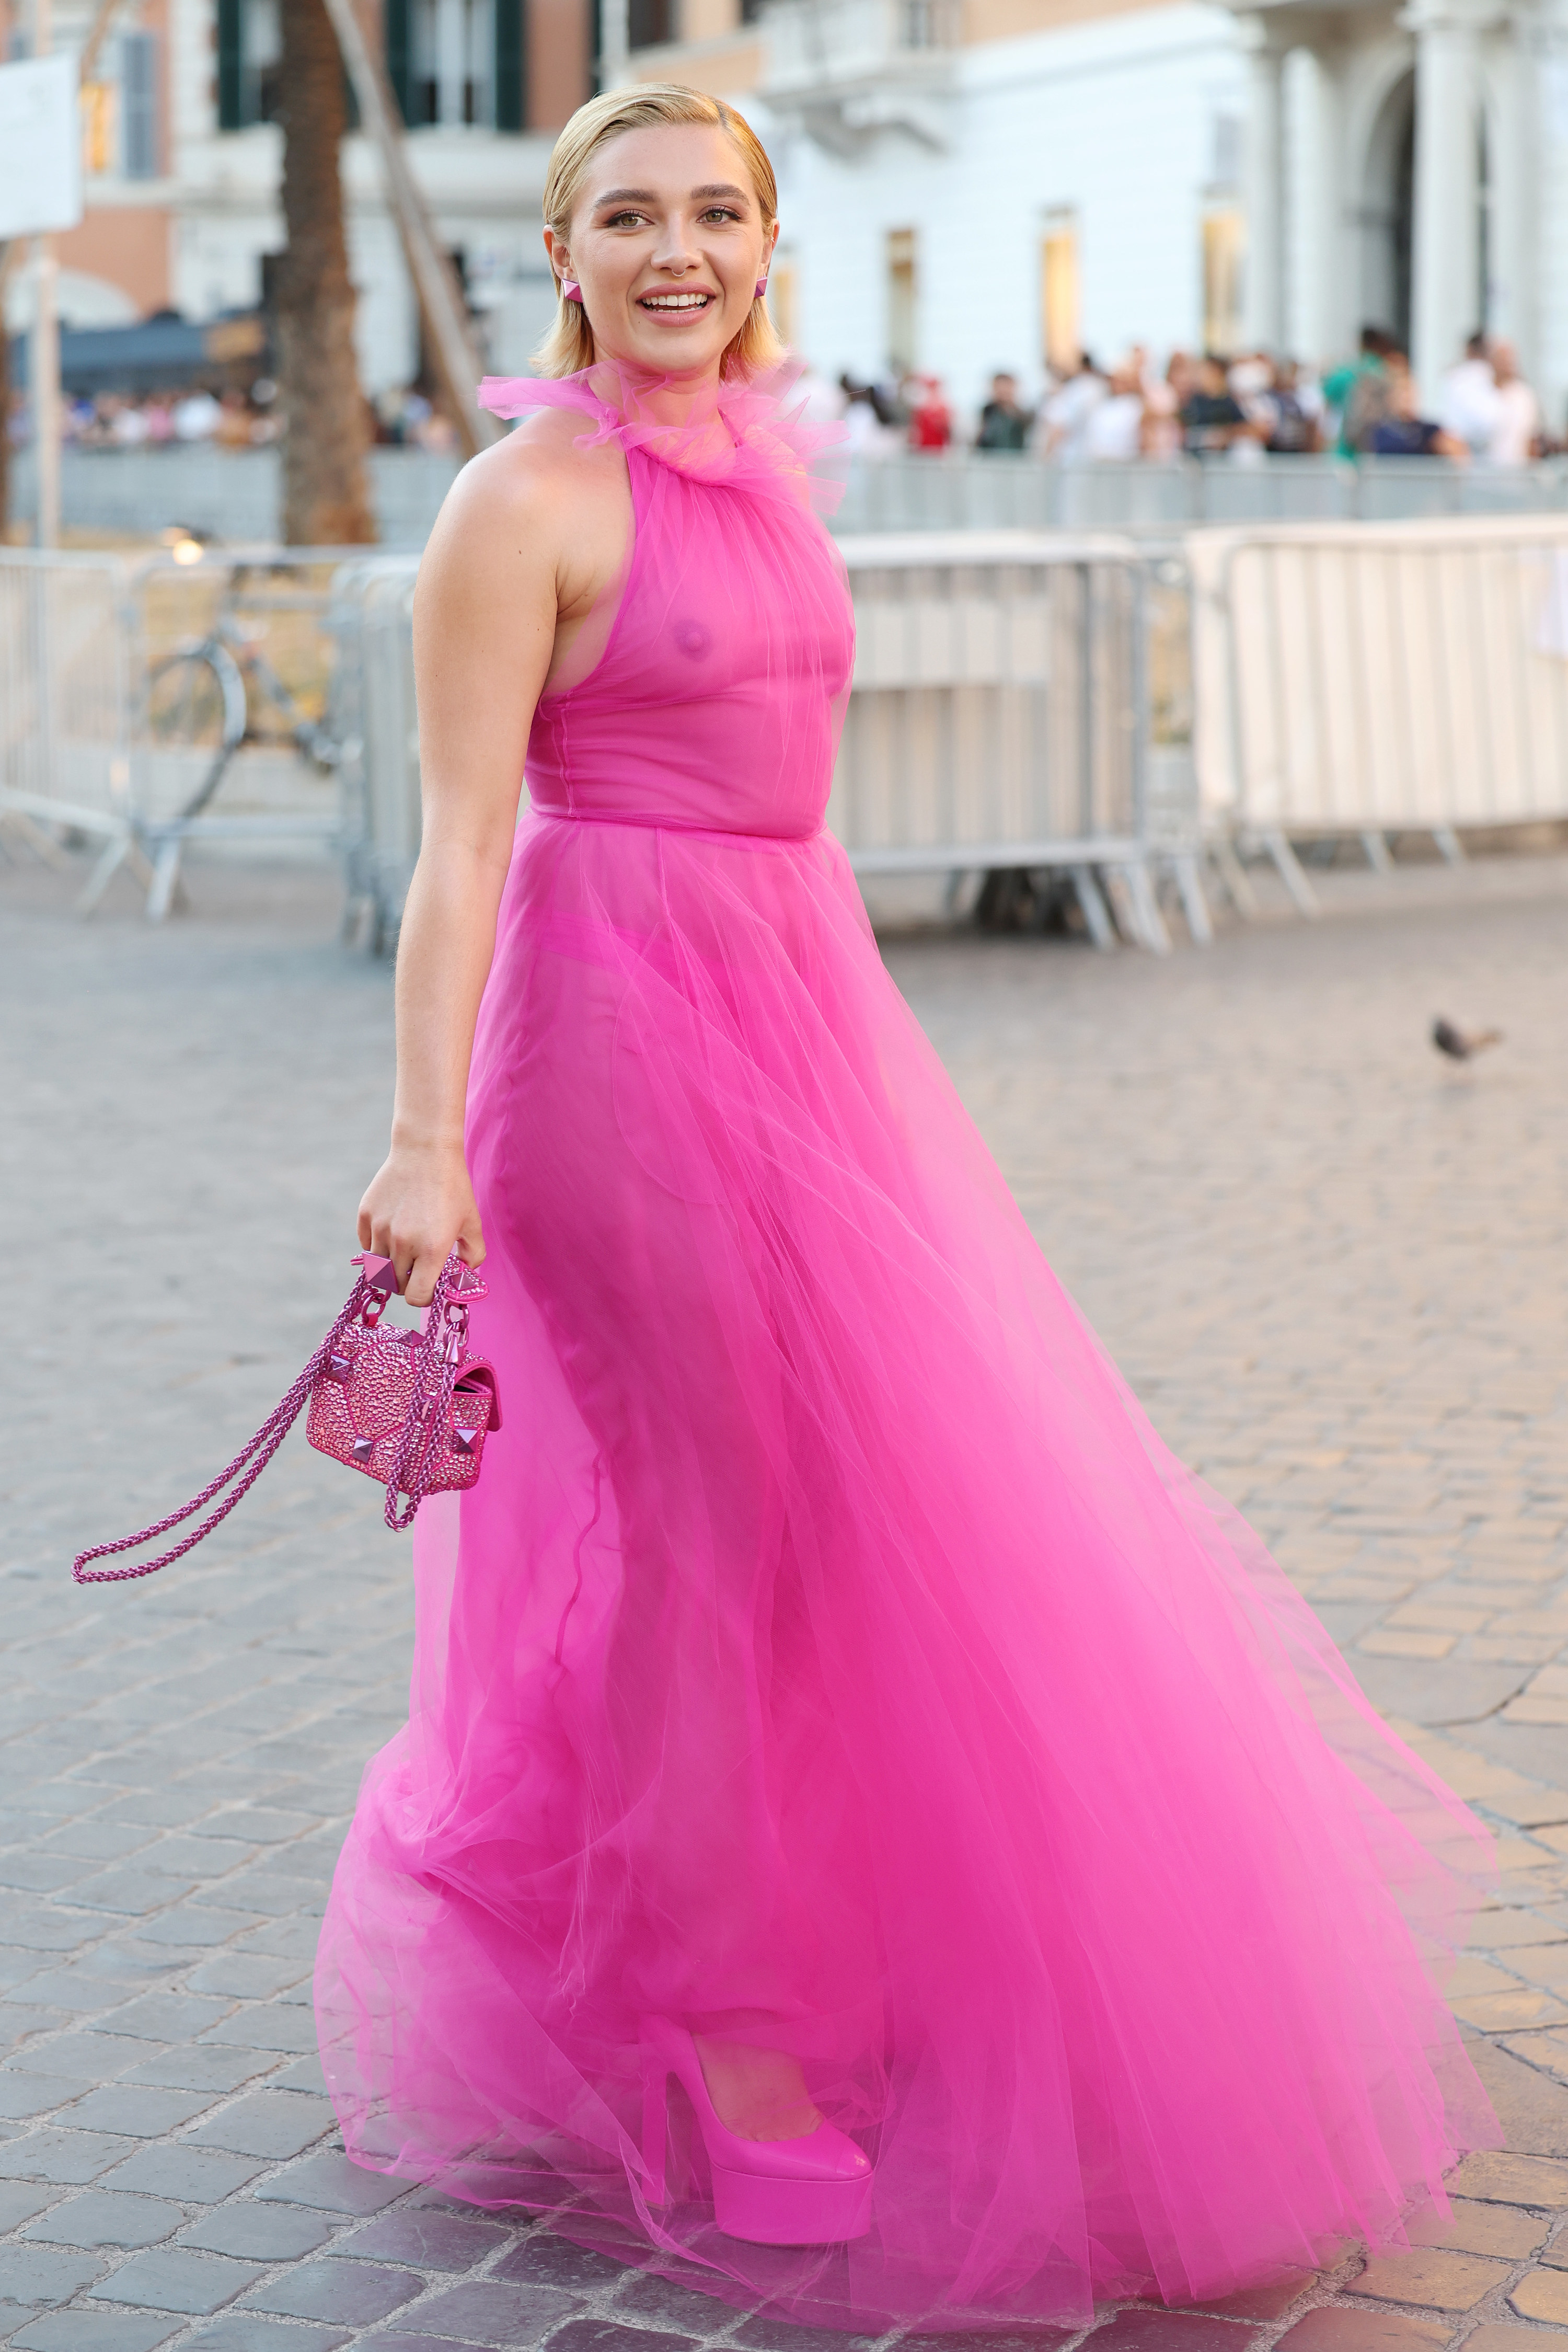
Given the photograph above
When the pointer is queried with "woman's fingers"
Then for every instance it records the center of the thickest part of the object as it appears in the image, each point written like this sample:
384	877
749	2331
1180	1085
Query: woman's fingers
415	1215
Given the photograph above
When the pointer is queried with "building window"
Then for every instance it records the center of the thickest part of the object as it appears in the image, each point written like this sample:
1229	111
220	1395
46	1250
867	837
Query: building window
1227	135
1060	305
250	51
903	301
1222	251
449	61
648	22
139	125
453	61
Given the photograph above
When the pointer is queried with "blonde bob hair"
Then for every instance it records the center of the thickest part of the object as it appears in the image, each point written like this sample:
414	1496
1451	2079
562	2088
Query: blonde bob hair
570	345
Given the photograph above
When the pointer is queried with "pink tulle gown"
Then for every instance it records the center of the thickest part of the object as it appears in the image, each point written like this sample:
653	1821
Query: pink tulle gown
831	1655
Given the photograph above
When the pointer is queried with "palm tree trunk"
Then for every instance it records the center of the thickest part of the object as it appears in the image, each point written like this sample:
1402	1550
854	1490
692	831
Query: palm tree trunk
4	410
325	486
7	262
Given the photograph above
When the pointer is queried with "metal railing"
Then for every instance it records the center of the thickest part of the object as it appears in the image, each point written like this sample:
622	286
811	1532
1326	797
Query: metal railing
148	704
968	490
1381	680
233	494
1017	703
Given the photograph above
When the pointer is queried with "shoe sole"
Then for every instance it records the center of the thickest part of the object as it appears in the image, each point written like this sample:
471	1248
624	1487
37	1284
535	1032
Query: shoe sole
790	2212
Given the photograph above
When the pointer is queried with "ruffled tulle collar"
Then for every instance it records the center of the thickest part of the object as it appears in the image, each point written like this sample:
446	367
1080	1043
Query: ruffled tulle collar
755	435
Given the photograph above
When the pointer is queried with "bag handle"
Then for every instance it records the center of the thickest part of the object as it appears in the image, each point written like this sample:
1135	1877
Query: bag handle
376	1282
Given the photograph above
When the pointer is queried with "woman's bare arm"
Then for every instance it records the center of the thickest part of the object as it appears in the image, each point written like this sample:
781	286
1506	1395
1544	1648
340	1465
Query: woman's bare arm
484	617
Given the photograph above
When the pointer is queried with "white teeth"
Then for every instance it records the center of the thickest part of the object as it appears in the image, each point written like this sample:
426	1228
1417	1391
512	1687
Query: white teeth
674	302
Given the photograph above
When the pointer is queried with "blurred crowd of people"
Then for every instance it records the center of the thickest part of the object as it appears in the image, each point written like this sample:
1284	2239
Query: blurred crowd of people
234	419
1204	405
1259	405
118	420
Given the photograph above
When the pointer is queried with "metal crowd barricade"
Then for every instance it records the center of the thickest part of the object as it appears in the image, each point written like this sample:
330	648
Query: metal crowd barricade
1006	697
964	489
66	699
92	742
1359	681
1001	717
377	726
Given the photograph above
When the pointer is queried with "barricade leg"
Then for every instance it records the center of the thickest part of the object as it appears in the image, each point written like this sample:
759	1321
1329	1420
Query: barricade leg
120	849
1289	866
1193	905
1376	846
32	835
165	890
1146	916
1233	876
1096	915
1449	845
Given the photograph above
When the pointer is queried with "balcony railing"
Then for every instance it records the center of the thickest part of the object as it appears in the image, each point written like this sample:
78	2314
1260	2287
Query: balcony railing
845	69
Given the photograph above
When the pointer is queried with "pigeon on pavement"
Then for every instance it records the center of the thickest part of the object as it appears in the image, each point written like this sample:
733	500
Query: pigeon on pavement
1459	1043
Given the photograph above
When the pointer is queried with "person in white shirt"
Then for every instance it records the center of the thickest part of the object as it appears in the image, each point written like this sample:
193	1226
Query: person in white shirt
1516	430
1467	398
1068	410
1113	429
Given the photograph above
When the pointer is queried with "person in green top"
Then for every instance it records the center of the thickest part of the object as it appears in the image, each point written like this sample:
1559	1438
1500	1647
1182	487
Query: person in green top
1354	390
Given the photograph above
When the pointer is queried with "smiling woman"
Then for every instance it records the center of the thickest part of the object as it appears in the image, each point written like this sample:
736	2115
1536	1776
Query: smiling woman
874	1833
631	248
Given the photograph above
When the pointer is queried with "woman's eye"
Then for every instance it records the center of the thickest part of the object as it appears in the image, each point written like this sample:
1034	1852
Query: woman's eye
720	213
623	220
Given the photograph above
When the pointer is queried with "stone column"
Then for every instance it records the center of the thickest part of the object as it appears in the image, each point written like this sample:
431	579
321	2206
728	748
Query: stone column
1260	186
1446	260
1317	324
1514	165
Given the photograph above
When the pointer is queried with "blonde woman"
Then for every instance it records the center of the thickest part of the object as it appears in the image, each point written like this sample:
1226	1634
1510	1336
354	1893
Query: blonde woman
872	1832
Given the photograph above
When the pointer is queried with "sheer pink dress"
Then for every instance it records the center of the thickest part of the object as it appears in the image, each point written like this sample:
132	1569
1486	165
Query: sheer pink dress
831	1655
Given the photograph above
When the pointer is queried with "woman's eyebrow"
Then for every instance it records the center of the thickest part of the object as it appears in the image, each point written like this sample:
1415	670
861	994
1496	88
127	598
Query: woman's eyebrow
648	197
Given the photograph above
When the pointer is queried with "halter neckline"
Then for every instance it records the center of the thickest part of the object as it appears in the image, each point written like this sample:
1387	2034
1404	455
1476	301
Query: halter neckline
755	435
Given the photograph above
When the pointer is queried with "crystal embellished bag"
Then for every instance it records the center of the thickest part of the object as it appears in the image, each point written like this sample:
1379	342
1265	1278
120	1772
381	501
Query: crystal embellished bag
410	1408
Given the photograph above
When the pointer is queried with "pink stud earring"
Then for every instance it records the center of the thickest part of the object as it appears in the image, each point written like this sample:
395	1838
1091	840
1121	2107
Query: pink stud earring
570	289
762	288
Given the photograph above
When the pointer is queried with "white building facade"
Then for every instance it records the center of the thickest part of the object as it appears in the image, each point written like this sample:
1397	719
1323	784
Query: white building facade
972	184
966	184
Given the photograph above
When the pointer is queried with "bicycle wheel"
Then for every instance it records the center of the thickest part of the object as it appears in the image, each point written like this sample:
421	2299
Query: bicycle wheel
195	703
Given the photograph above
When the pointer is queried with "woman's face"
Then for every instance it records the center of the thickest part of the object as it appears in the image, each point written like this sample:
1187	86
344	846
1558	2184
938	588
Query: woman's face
667	243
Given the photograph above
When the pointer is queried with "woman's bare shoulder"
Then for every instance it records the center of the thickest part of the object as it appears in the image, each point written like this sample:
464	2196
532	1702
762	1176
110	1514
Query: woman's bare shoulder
538	489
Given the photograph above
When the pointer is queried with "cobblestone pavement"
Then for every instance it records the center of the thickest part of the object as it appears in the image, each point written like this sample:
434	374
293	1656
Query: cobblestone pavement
1333	1265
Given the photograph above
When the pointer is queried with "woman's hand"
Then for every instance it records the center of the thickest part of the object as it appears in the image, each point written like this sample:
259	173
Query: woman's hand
419	1206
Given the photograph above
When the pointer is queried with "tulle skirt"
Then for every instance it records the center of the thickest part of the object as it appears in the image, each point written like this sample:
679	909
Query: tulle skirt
831	1657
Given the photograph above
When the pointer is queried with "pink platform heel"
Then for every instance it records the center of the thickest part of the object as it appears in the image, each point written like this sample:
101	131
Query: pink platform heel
812	2191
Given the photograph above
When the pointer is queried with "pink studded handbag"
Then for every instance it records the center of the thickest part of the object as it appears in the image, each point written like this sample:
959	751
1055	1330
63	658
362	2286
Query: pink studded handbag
410	1408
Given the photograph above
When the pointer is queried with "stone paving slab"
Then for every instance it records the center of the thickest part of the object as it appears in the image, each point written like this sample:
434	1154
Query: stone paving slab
1332	1267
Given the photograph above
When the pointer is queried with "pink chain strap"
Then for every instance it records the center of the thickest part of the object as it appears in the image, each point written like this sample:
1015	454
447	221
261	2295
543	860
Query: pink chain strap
446	1319
446	1333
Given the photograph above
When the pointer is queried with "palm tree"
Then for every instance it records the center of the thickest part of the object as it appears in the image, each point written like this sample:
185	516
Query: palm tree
4	407
326	488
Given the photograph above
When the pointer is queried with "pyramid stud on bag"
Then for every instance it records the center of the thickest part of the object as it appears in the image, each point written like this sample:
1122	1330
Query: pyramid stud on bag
363	1447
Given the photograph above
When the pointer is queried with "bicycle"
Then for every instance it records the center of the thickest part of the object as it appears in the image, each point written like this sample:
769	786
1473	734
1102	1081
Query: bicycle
213	694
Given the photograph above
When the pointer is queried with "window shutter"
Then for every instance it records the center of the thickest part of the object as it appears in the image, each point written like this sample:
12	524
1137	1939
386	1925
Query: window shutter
397	24
139	105
511	65
231	90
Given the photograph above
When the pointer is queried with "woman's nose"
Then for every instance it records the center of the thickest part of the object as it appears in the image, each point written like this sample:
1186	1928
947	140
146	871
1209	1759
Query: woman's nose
673	250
